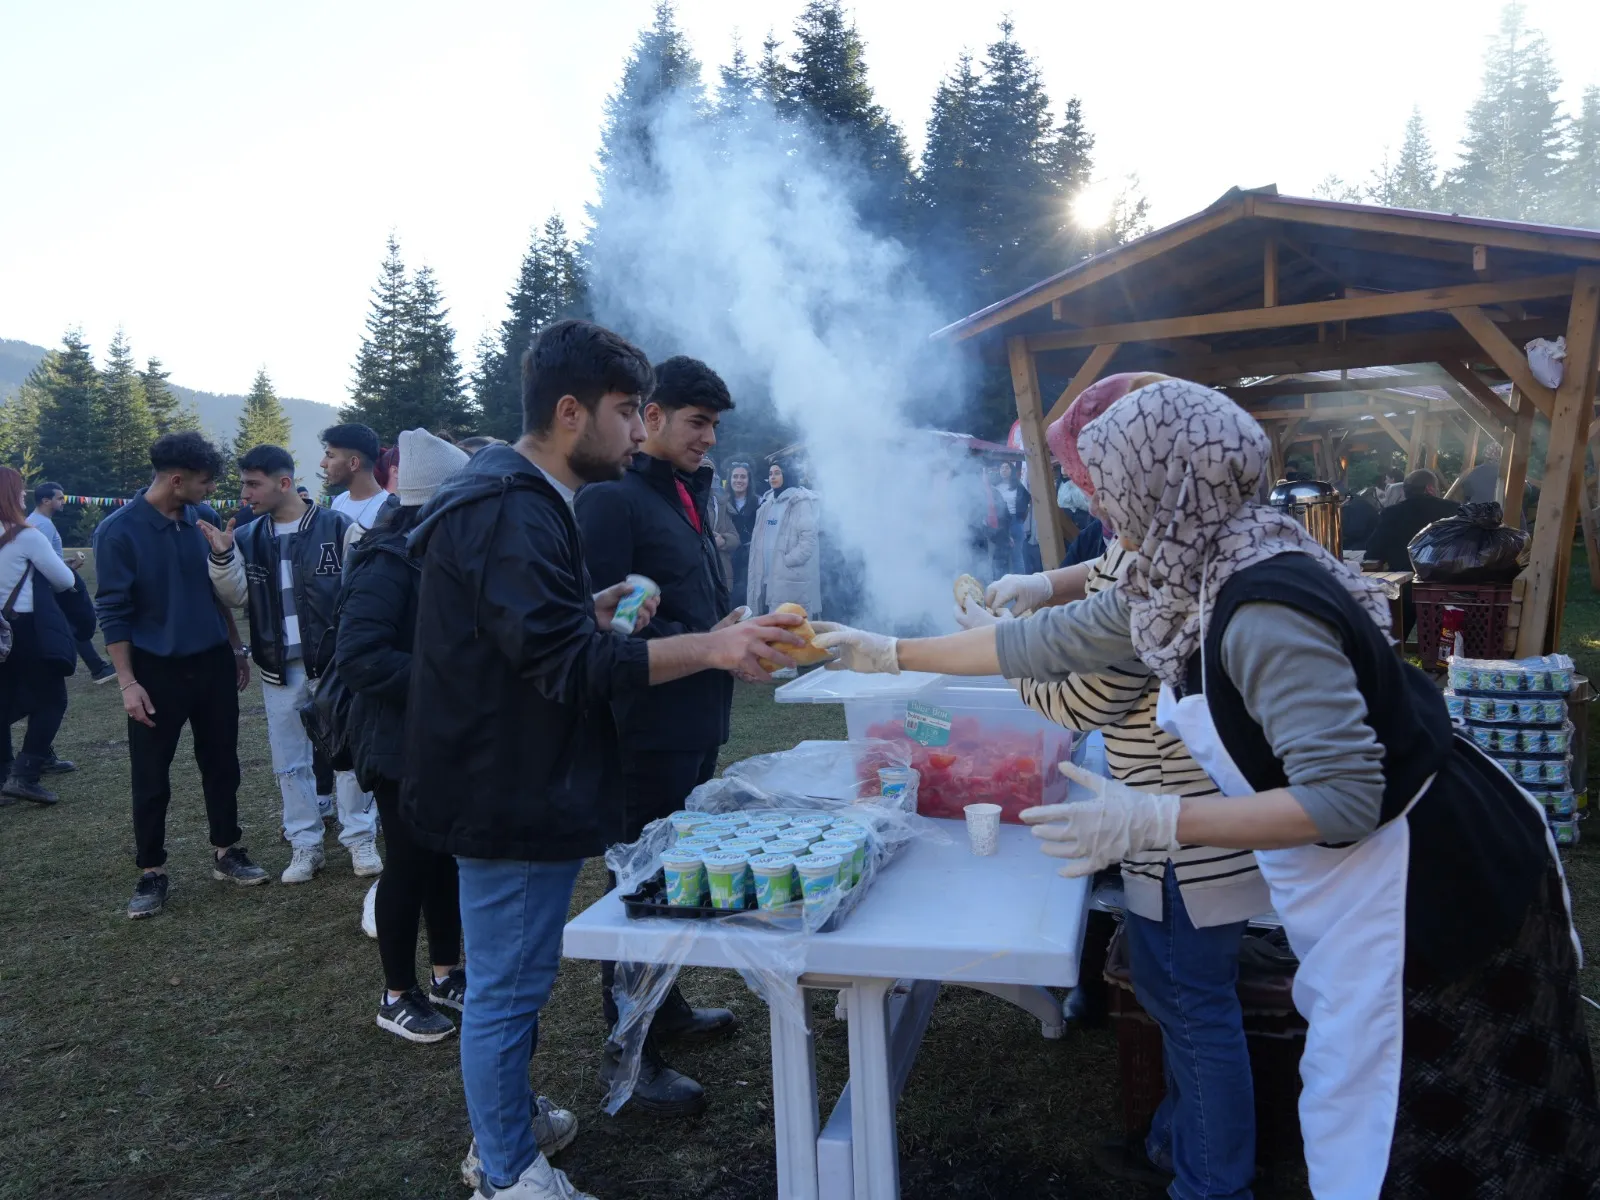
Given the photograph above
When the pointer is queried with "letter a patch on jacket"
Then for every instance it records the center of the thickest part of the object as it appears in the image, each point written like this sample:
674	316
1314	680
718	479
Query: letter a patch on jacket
328	560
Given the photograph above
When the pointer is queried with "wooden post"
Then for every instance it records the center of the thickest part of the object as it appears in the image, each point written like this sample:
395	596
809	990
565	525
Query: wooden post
1419	427
1514	461
1470	458
1030	413
1569	426
1586	518
1269	275
1330	458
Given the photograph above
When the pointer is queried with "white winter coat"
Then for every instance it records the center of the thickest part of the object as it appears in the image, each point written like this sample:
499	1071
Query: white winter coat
796	578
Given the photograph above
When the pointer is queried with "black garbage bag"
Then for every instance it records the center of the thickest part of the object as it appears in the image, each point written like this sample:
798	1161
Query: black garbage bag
1470	547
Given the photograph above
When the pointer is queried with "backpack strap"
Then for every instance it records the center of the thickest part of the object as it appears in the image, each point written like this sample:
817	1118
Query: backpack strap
11	600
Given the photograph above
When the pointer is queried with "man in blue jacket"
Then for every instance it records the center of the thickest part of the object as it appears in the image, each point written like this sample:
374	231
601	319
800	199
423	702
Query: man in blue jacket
170	639
656	521
286	568
509	732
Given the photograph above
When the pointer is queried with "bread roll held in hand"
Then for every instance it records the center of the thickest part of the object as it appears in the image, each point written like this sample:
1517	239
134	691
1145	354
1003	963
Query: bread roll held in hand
969	592
803	656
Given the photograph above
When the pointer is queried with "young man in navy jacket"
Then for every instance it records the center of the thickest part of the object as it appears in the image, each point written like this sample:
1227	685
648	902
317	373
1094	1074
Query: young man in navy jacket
656	521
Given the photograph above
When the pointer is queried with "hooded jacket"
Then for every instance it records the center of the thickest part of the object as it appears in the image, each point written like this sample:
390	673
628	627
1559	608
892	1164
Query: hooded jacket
638	525
377	626
791	517
248	576
509	732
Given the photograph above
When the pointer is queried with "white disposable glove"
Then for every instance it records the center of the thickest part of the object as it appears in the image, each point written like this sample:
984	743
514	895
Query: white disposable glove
858	650
1019	593
975	616
1115	822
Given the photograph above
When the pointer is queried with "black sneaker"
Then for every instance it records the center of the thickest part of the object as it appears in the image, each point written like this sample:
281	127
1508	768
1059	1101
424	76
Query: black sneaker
452	992
413	1018
105	674
58	766
235	864
1128	1160
21	789
149	897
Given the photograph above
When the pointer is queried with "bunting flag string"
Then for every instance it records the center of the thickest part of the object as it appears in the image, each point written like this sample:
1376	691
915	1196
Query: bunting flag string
102	501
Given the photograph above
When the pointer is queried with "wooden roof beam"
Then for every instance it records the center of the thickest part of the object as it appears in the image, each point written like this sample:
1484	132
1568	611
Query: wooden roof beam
1244	320
1474	386
1312	387
1405	225
1506	355
1087	374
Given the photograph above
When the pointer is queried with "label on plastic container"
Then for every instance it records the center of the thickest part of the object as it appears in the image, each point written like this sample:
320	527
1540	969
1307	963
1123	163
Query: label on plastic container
926	724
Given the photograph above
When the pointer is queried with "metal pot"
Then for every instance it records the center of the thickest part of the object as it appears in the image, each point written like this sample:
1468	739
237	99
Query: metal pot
1315	505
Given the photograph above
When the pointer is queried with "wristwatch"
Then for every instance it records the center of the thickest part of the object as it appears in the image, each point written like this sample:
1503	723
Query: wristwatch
241	652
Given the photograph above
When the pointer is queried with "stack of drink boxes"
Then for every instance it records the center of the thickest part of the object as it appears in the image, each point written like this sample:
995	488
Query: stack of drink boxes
1516	711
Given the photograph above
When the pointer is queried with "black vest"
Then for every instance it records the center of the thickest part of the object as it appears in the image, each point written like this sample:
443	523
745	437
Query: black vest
1478	848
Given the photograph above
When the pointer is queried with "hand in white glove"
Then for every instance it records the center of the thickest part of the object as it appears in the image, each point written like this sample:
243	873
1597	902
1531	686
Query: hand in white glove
1019	593
1115	822
971	615
858	650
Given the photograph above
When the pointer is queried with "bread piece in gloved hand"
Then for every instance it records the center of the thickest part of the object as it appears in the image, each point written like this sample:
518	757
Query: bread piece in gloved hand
1019	593
808	655
1113	823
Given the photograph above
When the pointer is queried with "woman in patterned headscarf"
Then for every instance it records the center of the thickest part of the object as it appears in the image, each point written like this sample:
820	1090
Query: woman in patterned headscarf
1419	886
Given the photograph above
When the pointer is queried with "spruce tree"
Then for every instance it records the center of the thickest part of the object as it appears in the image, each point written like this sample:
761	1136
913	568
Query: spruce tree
950	192
831	94
169	414
738	102
19	428
1580	174
1511	155
774	77
430	394
262	421
125	423
71	439
380	363
1411	180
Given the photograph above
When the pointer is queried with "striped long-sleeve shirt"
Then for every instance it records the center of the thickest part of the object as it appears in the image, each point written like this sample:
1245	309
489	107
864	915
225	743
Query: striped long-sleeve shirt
1218	886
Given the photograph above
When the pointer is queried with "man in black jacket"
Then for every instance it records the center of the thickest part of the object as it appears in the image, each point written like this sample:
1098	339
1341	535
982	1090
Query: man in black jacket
509	730
1401	522
286	568
656	521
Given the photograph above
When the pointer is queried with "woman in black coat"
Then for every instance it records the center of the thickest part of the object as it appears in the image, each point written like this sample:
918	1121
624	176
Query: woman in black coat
377	624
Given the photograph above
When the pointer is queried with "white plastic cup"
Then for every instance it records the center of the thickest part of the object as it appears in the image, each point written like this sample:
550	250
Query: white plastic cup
983	828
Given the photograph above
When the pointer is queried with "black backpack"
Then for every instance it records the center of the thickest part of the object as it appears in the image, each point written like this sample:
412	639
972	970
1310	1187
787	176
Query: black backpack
325	714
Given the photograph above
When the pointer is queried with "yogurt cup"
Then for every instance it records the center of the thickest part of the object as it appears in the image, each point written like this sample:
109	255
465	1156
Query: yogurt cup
892	781
1481	737
1506	740
1552	711
699	843
794	847
1505	709
846	854
1455	705
856	838
819	879
641	588
685	876
1531	770
1556	740
745	845
775	880
811	820
1555	771
1528	711
685	823
1566	832
727	872
809	834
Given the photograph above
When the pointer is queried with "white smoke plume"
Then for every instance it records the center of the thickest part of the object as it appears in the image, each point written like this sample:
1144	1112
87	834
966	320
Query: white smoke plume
751	255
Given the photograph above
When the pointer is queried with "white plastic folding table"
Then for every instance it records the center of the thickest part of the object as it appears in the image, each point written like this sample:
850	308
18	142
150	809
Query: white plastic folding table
1009	925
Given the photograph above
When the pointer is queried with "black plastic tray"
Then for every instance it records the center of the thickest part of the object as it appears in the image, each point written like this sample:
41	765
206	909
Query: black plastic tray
651	901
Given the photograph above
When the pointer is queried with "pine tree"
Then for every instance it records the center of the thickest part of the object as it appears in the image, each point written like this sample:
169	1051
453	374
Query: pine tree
774	77
1411	180
738	101
71	439
169	414
430	394
1580	174
829	90
549	288
262	421
1335	187
380	363
124	420
1511	155
950	192
19	428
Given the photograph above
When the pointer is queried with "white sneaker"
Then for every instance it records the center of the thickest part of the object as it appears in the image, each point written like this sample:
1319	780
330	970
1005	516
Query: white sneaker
369	912
540	1181
324	807
364	858
302	868
553	1128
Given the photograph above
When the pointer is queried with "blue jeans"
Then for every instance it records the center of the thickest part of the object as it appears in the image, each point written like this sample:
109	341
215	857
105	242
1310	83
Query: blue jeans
1187	980
512	913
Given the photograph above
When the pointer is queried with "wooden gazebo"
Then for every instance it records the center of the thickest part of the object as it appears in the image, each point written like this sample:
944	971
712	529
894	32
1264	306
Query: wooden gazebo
1260	290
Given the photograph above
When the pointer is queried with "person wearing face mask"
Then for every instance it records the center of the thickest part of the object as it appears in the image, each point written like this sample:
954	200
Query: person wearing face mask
656	521
785	567
1419	886
1186	908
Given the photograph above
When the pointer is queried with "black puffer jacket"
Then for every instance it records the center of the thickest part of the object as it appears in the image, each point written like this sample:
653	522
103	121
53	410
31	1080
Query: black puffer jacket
377	624
510	740
638	525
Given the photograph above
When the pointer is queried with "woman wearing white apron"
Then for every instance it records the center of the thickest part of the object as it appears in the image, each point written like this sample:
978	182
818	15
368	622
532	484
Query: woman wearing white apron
1446	1055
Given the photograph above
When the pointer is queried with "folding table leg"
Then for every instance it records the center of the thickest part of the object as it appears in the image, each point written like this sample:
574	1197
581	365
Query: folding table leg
875	1145
1039	1001
794	1100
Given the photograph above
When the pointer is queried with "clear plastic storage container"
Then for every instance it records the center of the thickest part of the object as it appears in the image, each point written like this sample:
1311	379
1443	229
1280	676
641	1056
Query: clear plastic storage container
971	741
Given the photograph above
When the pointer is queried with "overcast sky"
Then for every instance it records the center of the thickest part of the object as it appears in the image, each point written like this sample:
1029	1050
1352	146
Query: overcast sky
219	179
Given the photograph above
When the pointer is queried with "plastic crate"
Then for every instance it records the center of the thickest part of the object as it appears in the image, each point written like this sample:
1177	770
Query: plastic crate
1485	627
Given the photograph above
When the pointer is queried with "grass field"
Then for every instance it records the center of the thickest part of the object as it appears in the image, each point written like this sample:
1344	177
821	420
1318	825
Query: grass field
227	1048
